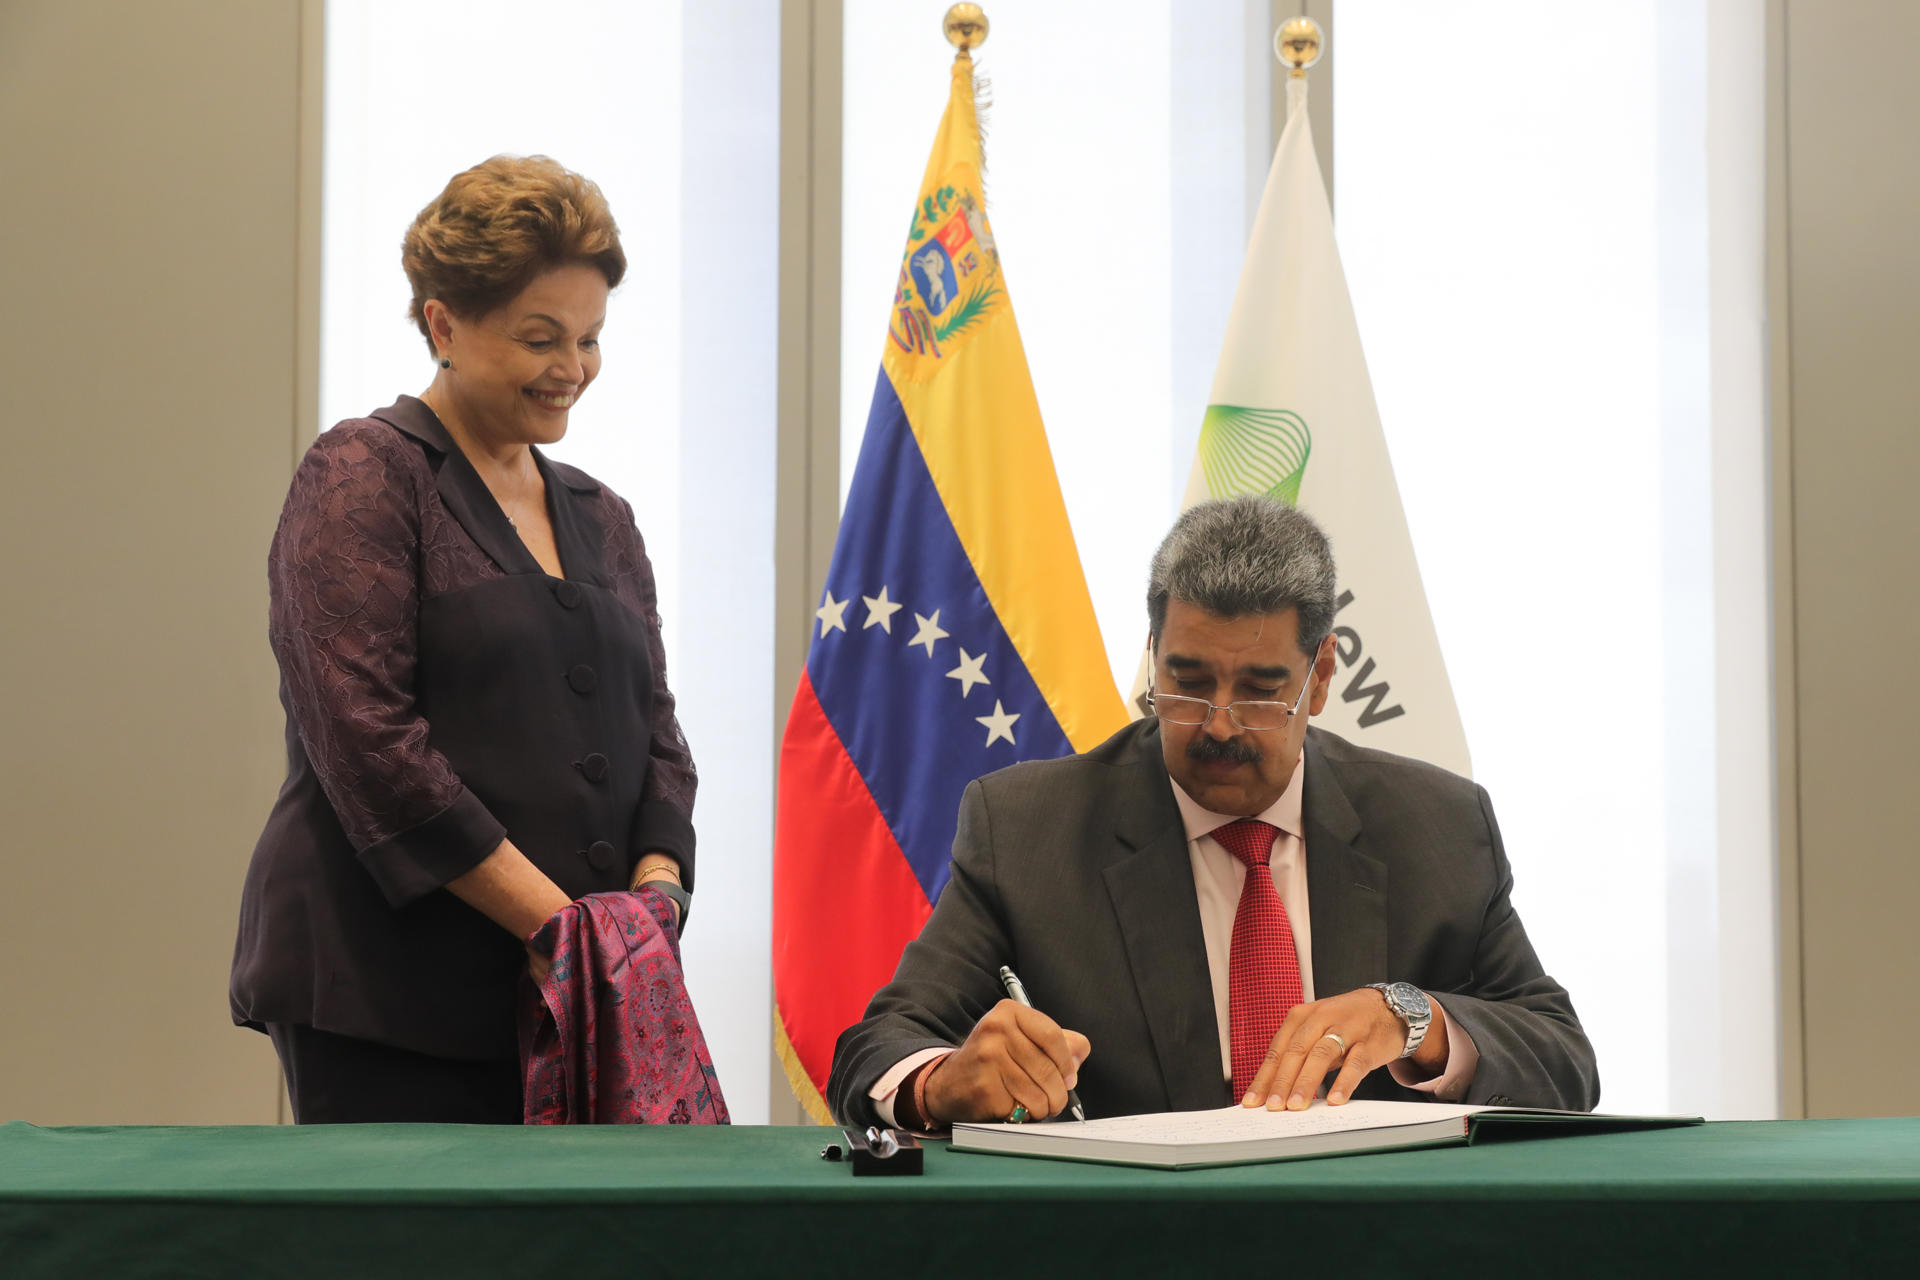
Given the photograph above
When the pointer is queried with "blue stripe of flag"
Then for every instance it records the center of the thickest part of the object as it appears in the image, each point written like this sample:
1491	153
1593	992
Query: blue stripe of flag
911	734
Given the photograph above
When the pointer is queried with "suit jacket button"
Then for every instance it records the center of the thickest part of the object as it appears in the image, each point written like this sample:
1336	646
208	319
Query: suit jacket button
582	678
568	594
599	855
594	767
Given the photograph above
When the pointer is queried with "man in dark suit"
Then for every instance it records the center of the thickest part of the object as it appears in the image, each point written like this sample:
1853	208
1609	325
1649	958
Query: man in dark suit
1220	903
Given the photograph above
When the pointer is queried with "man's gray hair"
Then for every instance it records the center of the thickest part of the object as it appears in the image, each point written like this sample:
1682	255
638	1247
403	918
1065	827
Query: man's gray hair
1242	556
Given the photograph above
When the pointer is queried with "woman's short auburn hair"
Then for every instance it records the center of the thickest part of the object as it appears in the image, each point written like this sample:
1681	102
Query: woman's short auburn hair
500	224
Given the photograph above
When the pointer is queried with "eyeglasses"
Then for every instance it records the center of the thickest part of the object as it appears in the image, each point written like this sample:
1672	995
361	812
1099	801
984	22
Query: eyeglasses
1255	716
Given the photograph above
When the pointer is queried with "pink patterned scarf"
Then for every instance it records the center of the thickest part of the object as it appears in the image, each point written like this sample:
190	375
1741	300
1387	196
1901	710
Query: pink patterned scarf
610	1037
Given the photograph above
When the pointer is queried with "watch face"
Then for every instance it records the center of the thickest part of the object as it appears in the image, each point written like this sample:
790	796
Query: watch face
1409	1001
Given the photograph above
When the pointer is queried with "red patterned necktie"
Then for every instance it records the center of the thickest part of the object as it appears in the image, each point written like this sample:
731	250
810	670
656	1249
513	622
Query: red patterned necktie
1263	976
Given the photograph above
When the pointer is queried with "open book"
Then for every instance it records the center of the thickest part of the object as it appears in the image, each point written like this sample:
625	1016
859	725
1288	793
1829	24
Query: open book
1236	1135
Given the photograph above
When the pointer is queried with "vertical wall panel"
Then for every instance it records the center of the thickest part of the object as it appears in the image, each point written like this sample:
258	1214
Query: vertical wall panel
1852	200
148	347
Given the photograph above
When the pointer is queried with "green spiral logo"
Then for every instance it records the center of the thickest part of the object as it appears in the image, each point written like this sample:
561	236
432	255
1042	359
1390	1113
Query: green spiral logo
1254	451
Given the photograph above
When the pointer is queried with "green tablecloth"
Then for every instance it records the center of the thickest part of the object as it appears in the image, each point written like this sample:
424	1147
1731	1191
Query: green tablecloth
1811	1197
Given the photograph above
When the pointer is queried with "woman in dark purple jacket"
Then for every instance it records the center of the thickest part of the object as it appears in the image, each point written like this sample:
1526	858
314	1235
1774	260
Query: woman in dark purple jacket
479	728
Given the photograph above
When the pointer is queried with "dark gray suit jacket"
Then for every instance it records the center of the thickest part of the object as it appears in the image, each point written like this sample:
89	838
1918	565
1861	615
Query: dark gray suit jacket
1076	873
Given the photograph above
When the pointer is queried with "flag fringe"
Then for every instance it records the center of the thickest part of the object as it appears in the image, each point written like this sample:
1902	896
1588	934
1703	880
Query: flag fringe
797	1078
982	108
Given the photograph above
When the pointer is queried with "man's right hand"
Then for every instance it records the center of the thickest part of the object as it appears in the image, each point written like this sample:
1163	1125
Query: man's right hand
1016	1056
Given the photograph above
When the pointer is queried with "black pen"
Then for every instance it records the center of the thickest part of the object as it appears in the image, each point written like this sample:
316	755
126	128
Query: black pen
1015	991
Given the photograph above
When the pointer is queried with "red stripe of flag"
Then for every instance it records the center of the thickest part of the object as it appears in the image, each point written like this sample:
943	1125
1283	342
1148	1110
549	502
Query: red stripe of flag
844	907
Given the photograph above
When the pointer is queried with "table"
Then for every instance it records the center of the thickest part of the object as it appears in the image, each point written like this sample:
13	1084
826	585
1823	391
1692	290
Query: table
1808	1197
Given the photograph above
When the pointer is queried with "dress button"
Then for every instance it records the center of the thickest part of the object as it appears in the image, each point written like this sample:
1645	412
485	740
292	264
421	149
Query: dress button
600	855
594	767
568	594
582	678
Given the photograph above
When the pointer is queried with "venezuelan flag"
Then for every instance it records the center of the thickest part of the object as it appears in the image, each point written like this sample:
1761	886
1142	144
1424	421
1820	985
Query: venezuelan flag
955	635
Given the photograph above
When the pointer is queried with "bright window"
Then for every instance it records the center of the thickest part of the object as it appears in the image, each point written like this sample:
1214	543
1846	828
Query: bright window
1554	254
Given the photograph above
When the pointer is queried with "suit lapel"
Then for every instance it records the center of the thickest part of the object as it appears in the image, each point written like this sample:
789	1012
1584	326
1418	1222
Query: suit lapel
1158	914
1346	887
461	489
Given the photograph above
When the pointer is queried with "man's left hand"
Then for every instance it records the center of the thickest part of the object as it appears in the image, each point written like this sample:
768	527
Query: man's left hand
1304	1050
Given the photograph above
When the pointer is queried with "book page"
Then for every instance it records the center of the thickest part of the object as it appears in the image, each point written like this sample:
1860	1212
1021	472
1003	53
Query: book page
1237	1124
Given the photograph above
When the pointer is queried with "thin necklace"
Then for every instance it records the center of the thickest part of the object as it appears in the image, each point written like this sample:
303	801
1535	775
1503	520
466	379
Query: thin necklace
504	509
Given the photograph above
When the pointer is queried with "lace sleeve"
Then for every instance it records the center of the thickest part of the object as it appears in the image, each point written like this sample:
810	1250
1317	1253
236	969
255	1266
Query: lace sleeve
344	582
672	779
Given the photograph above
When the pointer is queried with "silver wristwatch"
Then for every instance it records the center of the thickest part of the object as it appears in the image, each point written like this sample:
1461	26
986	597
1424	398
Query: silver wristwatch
1410	1004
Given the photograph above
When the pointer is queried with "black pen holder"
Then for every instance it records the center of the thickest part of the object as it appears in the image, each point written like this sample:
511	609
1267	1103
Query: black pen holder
889	1152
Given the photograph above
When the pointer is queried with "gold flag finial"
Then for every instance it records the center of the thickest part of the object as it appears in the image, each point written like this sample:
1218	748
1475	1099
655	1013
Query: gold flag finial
966	27
1297	43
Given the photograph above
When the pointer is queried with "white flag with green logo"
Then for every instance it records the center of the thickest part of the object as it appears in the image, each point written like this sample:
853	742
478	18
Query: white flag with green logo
1292	414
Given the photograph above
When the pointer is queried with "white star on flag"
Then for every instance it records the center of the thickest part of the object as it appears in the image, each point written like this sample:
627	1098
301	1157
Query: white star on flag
968	673
999	724
831	614
929	631
880	610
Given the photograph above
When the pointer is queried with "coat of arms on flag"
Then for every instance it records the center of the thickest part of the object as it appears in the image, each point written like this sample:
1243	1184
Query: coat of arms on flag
955	635
949	281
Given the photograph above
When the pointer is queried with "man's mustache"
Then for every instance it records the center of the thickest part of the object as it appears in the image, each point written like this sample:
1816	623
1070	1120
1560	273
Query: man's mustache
1207	749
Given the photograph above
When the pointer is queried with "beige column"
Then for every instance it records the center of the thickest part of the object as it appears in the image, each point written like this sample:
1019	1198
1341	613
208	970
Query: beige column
808	469
155	352
1845	280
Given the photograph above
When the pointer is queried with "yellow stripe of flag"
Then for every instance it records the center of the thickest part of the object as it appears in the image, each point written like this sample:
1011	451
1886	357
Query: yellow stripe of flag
959	368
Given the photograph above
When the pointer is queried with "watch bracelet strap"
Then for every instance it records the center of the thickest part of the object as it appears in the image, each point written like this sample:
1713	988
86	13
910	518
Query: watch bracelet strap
1416	1036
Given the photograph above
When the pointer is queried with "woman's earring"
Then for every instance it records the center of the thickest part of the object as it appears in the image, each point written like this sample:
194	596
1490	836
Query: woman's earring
445	363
